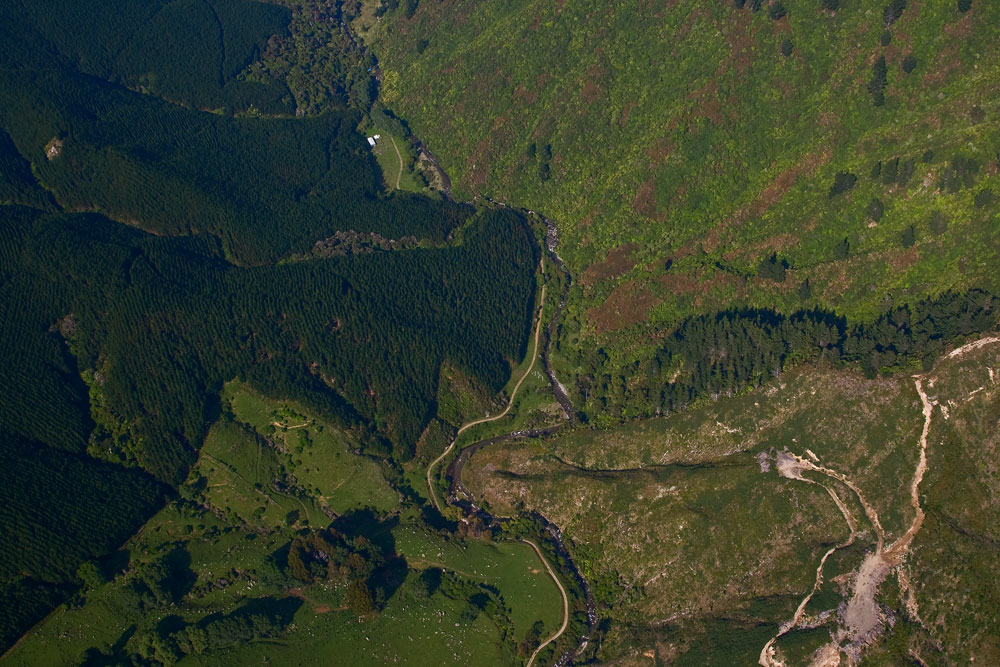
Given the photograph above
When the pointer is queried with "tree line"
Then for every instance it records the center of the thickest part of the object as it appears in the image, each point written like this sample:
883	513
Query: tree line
726	352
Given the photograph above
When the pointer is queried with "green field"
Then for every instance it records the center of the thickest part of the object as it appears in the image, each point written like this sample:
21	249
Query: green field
397	167
271	470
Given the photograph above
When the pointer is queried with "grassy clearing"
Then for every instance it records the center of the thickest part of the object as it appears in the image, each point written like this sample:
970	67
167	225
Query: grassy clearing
397	160
268	470
321	457
509	566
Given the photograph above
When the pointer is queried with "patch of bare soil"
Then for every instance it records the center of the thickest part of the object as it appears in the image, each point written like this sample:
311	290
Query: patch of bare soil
53	148
862	620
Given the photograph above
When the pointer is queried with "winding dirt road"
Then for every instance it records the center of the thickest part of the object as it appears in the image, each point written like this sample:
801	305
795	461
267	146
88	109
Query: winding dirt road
767	653
861	620
510	404
399	175
565	600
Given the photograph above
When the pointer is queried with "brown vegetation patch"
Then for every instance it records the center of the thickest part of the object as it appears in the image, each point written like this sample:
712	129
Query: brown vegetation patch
741	37
775	243
774	192
591	92
618	262
480	170
706	102
644	203
663	147
904	260
596	74
782	26
626	112
628	304
962	28
536	22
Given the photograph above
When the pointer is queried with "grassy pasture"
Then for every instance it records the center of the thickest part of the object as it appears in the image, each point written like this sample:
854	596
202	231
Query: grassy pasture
229	542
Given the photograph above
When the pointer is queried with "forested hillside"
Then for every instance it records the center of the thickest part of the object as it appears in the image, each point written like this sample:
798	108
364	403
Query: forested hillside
187	51
707	155
151	251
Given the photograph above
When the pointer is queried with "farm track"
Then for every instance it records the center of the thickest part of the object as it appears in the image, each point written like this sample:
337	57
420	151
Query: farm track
399	174
460	497
565	621
484	420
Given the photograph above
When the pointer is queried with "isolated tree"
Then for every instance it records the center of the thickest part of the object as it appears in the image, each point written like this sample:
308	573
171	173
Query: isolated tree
886	38
890	170
786	47
876	209
777	11
909	237
359	598
984	198
842	182
893	11
909	63
427	583
830	5
805	290
841	250
878	82
964	5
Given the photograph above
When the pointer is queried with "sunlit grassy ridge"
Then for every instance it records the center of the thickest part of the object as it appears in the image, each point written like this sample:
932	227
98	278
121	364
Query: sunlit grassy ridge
677	146
703	544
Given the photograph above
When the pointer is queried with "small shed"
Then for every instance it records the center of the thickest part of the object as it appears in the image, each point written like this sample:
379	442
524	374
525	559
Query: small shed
371	141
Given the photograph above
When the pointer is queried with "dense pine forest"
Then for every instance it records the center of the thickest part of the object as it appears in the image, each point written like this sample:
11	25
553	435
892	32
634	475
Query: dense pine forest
728	352
151	251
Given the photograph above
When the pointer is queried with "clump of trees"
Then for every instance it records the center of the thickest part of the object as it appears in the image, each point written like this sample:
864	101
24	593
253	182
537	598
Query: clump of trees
773	268
355	562
878	82
842	182
723	353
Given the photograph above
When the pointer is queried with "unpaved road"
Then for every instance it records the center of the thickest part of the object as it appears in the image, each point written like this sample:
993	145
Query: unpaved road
400	156
510	404
788	467
861	620
565	600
